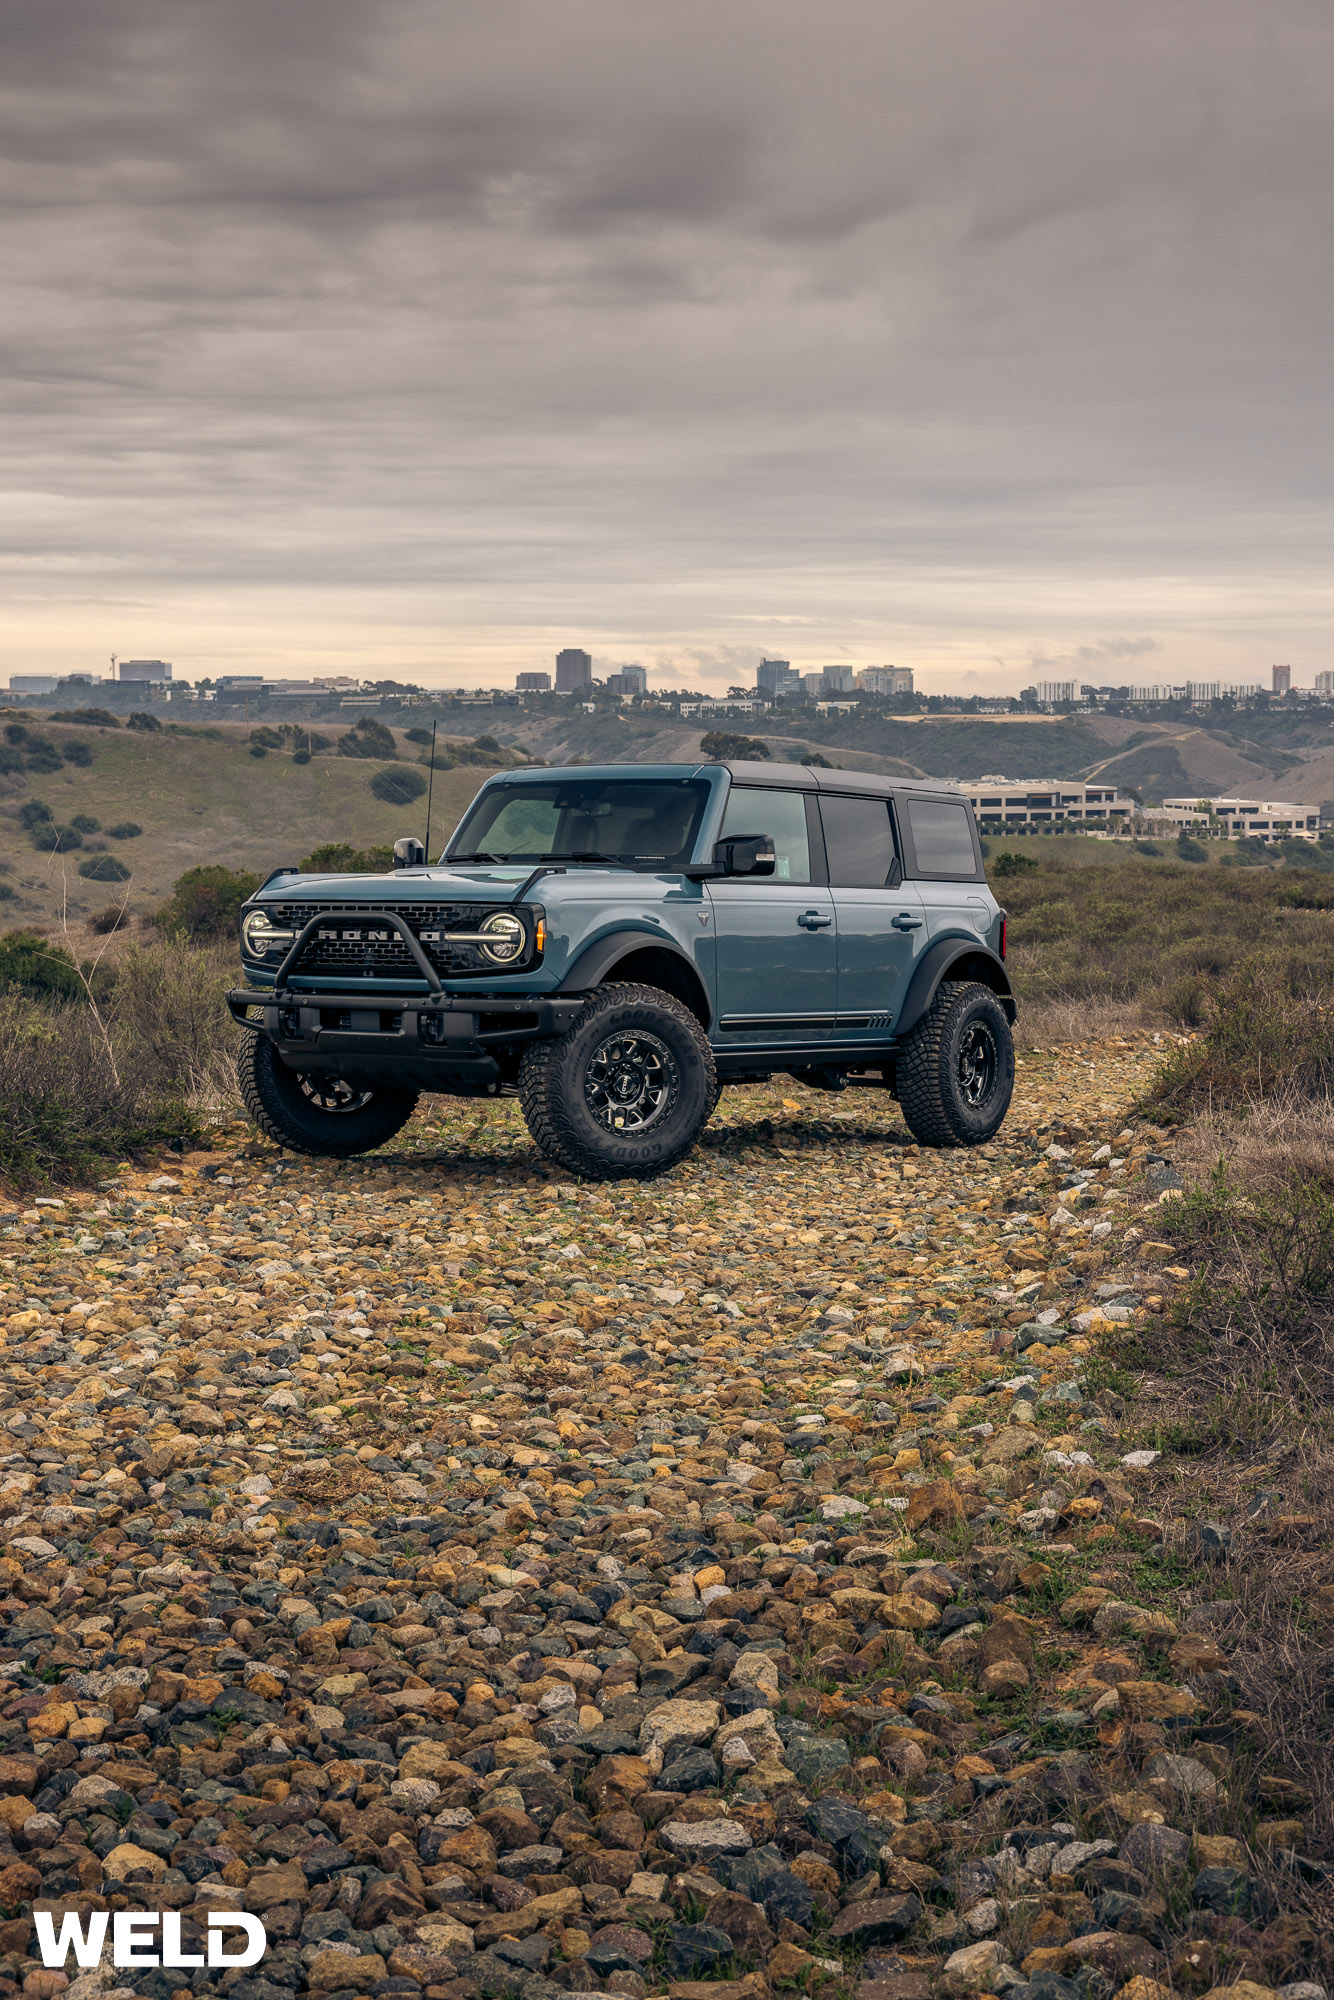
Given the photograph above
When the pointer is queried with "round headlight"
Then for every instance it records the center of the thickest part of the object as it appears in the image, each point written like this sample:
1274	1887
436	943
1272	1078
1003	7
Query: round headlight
502	938
259	935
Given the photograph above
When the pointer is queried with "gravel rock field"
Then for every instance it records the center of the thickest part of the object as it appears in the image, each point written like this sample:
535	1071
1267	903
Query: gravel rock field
736	1583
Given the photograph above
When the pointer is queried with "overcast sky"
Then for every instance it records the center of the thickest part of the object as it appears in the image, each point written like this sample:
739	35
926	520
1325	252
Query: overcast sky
988	337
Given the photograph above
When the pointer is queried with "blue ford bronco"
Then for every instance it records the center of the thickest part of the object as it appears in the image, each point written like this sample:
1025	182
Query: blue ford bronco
615	943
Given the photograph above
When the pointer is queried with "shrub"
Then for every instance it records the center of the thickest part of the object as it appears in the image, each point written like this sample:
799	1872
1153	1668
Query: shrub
1190	849
11	760
16	732
103	868
139	718
86	823
721	743
487	745
29	965
340	857
301	757
32	813
1009	864
398	787
113	918
75	751
1146	847
98	718
270	739
206	902
418	735
48	838
815	758
259	750
1268	1030
125	829
369	738
43	760
7	892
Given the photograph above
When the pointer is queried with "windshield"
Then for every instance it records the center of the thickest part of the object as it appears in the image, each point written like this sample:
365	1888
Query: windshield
650	823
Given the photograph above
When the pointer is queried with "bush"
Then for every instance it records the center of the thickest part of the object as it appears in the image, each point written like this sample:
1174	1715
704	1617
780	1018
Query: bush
206	902
103	868
418	735
1190	849
398	787
86	823
301	757
16	732
42	971
268	739
1146	847
125	829
113	918
7	892
722	744
32	813
488	746
98	718
140	719
815	759
259	750
43	760
340	857
75	751
1268	1030
369	738
1009	864
48	838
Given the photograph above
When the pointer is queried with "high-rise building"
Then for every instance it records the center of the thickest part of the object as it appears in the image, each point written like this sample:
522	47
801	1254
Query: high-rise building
628	681
839	680
885	680
536	683
1324	683
574	670
770	673
1199	692
1051	692
813	684
144	670
1282	680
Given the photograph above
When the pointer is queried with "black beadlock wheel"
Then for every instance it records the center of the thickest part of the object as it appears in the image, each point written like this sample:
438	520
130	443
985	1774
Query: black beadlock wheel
954	1072
315	1111
624	1092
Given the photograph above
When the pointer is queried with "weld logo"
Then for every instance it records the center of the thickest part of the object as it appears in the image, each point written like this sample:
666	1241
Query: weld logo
134	1940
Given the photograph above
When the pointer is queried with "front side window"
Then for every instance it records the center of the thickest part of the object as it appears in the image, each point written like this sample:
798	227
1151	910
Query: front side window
942	838
859	842
646	823
754	809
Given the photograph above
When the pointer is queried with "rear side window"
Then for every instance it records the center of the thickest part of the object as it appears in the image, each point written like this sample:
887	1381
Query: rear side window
942	838
859	842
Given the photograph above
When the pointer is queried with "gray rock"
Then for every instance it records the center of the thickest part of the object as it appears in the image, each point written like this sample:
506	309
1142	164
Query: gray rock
1155	1850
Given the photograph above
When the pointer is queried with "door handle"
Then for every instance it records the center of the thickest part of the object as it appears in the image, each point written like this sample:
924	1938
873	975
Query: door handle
905	921
814	920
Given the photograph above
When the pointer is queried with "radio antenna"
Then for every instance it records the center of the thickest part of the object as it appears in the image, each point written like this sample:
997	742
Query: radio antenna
430	793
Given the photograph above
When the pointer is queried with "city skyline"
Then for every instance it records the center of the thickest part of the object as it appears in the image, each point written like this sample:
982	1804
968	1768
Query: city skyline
358	339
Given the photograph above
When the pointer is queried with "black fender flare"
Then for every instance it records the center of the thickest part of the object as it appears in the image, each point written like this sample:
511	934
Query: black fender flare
952	958
661	962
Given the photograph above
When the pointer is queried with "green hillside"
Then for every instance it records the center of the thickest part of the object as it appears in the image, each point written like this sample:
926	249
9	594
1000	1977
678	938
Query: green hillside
199	797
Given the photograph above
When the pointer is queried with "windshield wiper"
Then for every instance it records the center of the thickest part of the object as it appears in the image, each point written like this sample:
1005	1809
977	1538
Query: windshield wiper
455	858
586	854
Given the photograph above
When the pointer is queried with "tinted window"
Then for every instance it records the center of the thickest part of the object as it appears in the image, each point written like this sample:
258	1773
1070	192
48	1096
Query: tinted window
626	819
859	842
782	815
942	838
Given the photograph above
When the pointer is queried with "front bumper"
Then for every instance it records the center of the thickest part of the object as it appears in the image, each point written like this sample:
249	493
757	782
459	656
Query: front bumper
451	1042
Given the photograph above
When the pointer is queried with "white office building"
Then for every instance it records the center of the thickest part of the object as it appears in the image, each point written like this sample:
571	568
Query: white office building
1043	805
1256	819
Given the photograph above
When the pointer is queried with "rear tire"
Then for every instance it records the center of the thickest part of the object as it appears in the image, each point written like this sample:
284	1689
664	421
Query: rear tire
955	1072
317	1112
623	1094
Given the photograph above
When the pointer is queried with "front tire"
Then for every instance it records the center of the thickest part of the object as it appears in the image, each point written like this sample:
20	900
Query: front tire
955	1071
622	1095
317	1112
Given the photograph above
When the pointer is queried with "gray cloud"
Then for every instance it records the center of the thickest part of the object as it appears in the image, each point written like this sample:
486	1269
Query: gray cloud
372	331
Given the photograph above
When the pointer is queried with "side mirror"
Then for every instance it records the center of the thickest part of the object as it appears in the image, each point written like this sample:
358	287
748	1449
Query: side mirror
409	852
752	854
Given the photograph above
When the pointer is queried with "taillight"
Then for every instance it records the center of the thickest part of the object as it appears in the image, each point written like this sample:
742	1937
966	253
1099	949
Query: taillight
1004	927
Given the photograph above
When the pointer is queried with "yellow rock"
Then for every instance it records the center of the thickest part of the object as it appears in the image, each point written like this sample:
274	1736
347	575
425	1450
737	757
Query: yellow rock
126	1858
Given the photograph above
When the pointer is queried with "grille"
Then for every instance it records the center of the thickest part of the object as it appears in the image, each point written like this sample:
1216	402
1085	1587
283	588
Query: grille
351	953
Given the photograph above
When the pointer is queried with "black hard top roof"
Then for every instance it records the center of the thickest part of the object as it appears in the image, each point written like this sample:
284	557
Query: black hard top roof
802	777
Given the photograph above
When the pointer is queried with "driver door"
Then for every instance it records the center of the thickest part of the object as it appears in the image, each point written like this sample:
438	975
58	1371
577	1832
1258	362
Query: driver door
776	935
